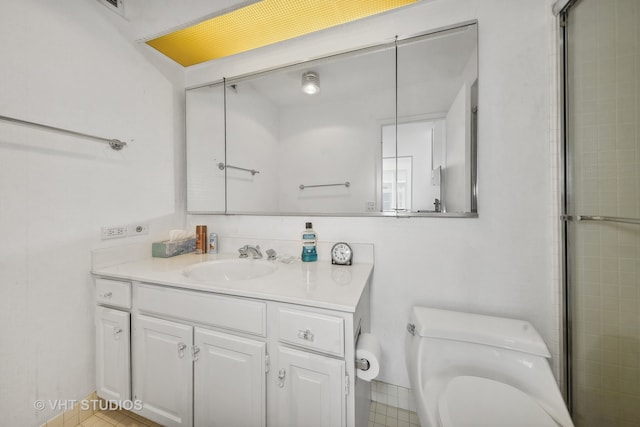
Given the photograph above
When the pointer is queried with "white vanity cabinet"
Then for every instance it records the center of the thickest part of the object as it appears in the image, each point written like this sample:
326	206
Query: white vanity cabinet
311	389
313	368
186	374
112	325
229	380
112	354
261	353
179	367
163	370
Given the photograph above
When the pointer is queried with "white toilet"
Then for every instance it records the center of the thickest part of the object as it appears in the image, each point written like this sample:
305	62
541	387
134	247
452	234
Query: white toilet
470	370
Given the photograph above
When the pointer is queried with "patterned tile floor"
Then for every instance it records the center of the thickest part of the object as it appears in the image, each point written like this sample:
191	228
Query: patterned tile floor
116	418
380	415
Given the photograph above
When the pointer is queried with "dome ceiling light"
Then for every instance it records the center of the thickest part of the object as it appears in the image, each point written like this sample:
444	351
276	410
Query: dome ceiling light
310	83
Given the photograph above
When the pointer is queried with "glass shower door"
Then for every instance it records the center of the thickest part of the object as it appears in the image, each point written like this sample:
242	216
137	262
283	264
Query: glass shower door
602	81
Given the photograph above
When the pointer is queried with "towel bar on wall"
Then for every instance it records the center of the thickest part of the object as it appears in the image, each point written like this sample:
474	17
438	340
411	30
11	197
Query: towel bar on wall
115	144
346	184
222	166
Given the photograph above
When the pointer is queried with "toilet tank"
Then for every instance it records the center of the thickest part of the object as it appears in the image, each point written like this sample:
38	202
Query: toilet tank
512	334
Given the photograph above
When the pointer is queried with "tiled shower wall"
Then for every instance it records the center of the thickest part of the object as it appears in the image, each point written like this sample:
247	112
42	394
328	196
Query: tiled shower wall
604	99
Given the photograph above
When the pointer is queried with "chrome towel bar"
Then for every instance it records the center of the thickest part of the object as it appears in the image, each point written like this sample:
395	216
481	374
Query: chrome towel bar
346	184
115	144
222	166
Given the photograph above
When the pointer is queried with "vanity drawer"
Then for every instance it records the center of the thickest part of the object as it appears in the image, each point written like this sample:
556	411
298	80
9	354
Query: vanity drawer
113	292
226	312
312	330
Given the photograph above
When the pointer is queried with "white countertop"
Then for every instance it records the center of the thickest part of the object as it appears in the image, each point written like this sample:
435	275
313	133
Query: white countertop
317	284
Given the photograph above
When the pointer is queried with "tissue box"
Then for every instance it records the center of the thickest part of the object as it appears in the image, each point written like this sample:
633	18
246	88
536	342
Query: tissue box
166	249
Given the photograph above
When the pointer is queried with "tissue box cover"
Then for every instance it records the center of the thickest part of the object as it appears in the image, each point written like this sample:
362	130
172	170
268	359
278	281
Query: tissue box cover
166	249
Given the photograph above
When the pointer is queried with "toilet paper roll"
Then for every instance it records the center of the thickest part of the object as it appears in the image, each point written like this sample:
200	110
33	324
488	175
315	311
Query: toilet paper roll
368	348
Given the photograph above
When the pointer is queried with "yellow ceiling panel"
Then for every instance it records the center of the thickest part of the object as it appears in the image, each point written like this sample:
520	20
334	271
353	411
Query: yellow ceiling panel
261	24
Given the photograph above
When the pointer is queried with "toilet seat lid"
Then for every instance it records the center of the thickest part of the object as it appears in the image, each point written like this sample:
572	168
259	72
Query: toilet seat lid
474	402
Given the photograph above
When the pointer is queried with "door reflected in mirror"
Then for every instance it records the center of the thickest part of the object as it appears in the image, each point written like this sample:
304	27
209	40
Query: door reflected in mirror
409	188
390	132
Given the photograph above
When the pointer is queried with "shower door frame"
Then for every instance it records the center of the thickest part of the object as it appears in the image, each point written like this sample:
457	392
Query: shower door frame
566	174
568	216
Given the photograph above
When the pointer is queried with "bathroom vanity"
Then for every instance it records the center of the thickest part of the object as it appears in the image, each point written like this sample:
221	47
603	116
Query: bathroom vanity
269	344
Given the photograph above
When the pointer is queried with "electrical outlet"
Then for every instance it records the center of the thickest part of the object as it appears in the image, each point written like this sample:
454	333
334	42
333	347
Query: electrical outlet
114	232
137	229
371	206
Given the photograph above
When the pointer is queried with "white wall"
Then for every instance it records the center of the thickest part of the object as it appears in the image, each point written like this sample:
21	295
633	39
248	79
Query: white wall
500	263
63	64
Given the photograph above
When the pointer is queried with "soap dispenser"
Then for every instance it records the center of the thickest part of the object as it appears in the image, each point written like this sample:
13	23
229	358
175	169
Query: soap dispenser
309	242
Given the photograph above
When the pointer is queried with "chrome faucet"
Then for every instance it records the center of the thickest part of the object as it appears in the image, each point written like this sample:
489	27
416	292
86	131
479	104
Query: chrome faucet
271	254
253	250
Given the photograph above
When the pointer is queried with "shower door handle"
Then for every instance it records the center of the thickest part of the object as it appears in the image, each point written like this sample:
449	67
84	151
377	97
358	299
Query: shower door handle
621	220
618	219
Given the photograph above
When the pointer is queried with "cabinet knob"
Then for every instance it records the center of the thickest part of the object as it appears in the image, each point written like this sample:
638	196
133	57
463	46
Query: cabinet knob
181	347
116	332
281	374
194	352
306	335
107	295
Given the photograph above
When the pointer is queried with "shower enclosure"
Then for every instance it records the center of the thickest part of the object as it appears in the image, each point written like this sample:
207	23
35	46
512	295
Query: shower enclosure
601	66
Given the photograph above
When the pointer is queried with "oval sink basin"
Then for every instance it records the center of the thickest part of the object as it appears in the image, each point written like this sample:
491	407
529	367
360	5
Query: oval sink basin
229	270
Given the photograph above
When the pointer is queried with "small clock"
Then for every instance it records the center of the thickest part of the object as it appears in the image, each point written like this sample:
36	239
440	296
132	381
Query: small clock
341	254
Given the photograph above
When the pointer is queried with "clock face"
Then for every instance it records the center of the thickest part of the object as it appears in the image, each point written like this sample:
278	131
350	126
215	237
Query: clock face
342	254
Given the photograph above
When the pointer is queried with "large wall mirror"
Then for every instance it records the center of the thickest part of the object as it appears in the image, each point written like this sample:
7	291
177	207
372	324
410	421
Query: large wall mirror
391	131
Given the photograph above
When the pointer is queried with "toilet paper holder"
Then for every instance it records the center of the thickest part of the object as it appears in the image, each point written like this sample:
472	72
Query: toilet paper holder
362	364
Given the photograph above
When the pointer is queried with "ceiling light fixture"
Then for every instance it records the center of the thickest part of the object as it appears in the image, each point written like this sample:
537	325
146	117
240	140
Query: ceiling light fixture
263	23
310	82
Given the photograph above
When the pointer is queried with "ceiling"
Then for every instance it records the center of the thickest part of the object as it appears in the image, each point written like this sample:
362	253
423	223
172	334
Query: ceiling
261	24
148	19
196	31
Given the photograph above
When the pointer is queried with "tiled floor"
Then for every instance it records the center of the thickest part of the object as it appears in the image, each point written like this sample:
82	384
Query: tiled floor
392	395
393	409
382	415
116	418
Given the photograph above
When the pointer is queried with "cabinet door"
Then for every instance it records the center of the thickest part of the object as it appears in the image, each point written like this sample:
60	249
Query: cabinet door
113	378
310	389
229	380
163	370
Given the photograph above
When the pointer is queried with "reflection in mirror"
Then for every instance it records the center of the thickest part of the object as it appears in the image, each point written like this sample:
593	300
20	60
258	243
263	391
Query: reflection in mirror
314	141
435	79
205	149
414	160
388	133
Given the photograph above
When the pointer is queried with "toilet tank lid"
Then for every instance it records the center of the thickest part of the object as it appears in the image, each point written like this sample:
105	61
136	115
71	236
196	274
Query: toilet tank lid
512	334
